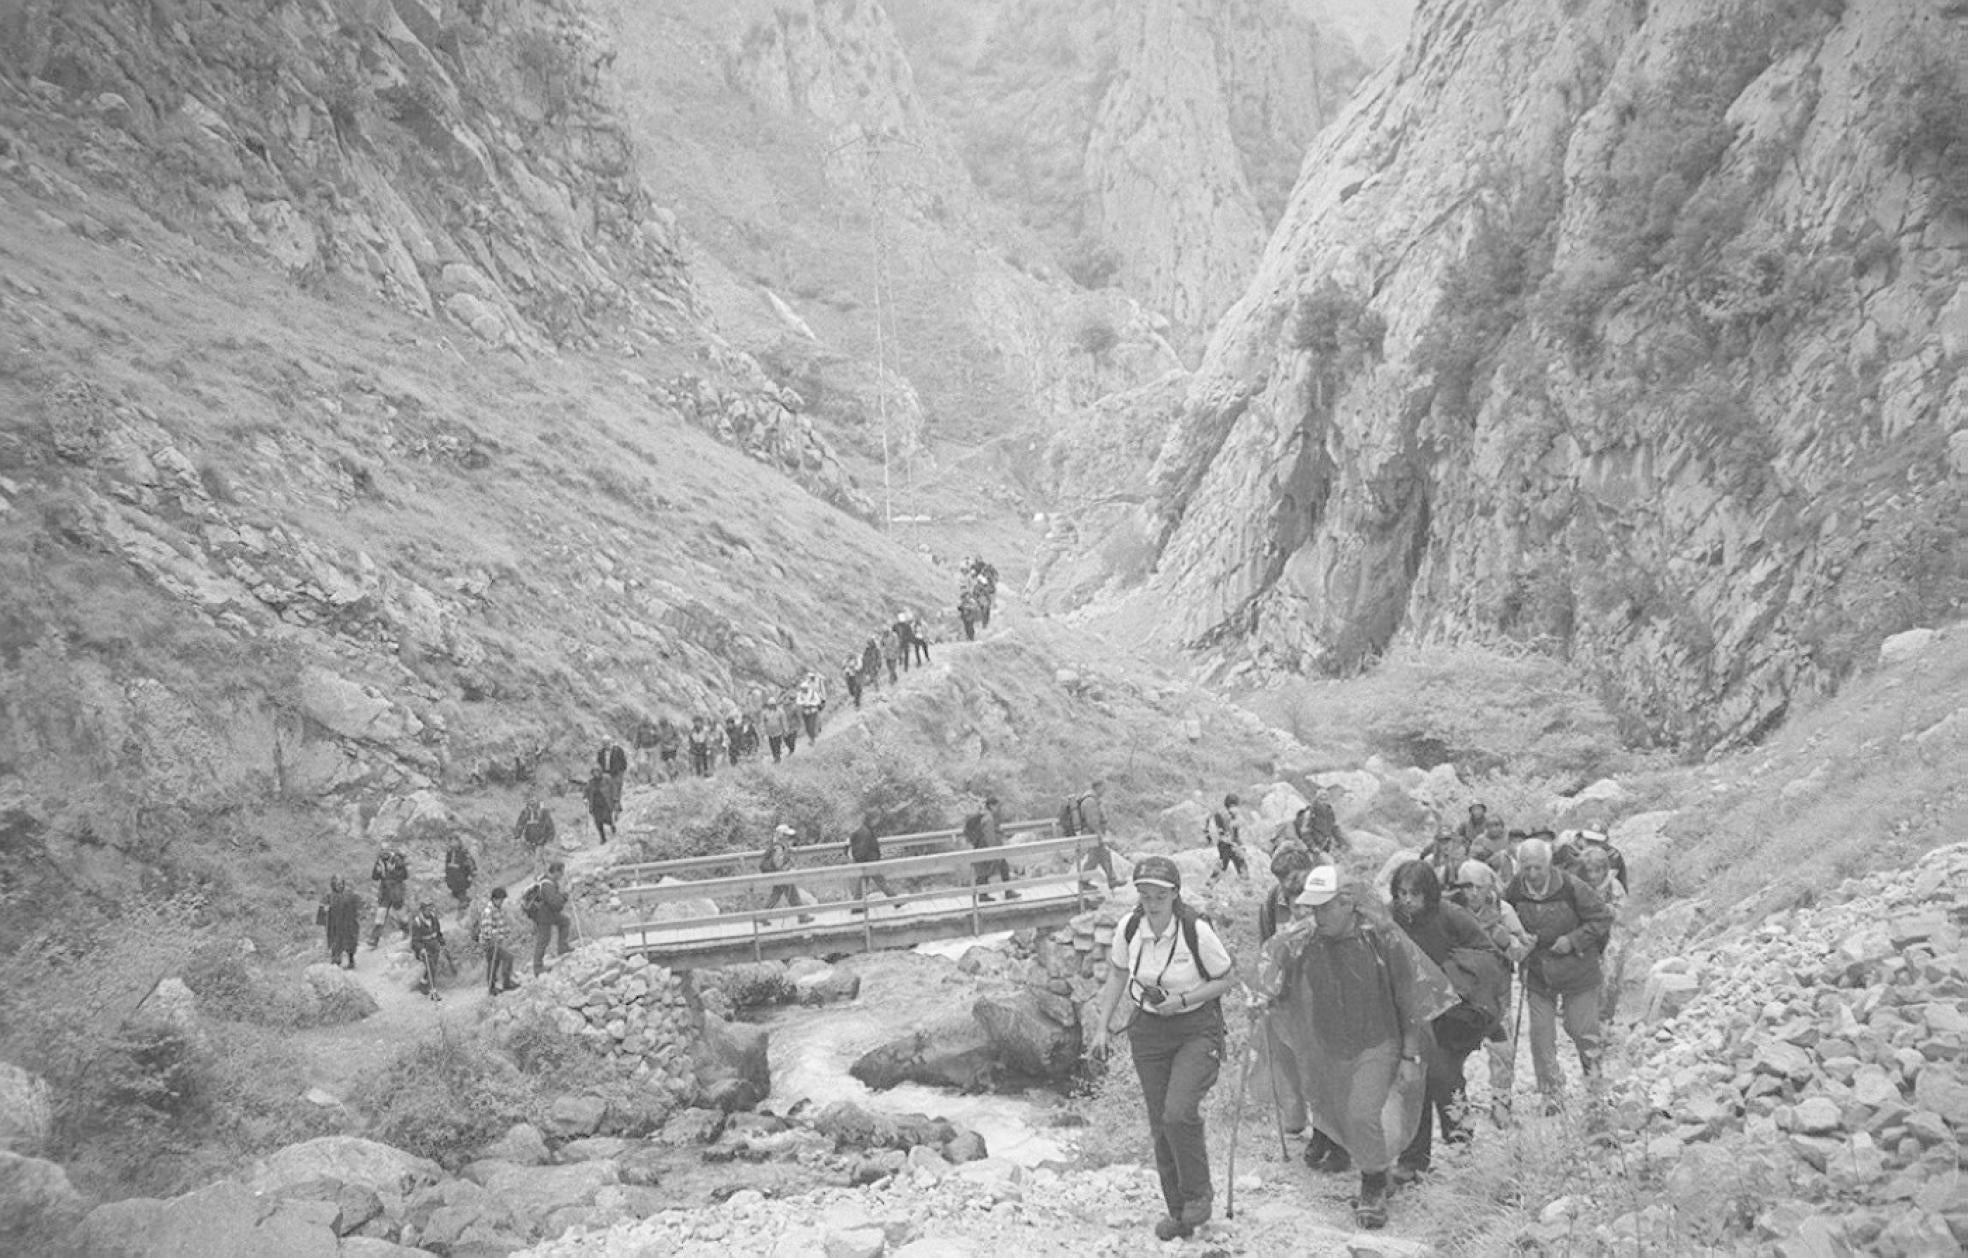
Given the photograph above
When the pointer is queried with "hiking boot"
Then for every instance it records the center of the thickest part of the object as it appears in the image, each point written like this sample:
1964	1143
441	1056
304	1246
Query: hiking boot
1180	1226
1323	1153
1370	1211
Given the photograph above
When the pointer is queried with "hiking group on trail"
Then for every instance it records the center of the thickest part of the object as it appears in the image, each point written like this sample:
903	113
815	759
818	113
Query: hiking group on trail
1367	1006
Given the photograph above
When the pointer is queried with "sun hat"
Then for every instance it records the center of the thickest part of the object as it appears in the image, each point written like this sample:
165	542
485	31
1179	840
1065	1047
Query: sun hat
785	829
1321	885
1158	871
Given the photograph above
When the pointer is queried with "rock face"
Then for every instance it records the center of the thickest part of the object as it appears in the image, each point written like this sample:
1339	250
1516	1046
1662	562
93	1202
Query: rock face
1158	143
1635	335
39	1208
26	1115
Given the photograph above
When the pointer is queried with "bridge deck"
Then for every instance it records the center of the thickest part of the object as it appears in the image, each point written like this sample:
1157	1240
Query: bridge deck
934	900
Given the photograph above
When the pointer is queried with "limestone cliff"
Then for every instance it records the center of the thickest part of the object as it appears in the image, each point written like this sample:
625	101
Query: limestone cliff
1632	332
1153	144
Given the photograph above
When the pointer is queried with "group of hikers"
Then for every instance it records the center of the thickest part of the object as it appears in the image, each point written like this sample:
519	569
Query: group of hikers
490	922
1369	999
977	590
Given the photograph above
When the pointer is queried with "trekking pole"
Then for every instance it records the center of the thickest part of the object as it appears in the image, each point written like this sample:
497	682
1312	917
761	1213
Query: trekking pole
1236	1121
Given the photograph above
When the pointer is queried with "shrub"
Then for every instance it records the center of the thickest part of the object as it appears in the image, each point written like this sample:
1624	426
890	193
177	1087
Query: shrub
1096	337
443	1098
1091	263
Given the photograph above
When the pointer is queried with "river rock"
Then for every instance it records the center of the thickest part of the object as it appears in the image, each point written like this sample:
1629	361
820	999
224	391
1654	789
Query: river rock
1945	1096
827	986
222	1220
696	1126
953	1051
335	996
354	1205
1816	1116
571	1116
1026	1041
530	1195
730	1062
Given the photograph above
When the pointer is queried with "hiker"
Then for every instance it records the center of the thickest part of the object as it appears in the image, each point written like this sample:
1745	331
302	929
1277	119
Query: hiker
1450	936
493	929
905	639
863	848
644	739
748	735
1475	825
427	944
871	664
545	905
917	638
967	613
1353	998
1222	829
1596	871
341	914
1317	827
773	718
851	676
789	709
1589	841
1086	814
778	856
734	738
699	741
600	799
886	641
986	830
389	873
1492	848
1169	963
459	869
614	762
1477	889
669	741
535	827
1570	924
1445	855
1290	863
812	698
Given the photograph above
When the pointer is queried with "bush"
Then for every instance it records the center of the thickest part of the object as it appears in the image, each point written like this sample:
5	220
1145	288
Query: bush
1096	337
443	1098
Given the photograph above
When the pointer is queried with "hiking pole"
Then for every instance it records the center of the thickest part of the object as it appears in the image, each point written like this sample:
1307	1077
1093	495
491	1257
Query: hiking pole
1236	1121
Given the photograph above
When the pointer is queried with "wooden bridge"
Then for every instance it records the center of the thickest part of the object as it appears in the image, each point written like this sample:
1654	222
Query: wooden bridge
931	872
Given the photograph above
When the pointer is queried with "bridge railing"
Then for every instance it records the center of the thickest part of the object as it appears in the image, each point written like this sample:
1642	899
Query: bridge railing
818	854
1058	863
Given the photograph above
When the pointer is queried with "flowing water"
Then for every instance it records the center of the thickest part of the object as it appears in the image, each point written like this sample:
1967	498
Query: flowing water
813	1047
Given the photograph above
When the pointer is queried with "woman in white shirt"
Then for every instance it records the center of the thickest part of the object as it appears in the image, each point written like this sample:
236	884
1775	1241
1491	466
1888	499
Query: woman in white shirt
1169	963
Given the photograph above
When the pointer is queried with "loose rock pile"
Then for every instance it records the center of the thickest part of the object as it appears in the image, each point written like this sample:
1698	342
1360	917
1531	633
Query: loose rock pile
1811	1069
631	1012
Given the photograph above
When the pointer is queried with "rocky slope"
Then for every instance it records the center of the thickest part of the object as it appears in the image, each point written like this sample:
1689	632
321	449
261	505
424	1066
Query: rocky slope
1635	334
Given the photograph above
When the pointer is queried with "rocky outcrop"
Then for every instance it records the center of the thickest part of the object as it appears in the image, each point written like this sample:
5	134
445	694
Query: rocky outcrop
1815	1060
39	1208
1633	336
26	1112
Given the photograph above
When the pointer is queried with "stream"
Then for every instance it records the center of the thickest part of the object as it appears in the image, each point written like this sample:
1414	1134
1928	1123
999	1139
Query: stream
812	1049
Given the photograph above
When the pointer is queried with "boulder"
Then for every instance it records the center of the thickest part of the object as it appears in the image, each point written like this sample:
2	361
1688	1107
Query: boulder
39	1208
522	1145
348	1159
354	1205
851	1127
828	986
1197	864
732	1053
1025	1039
1351	792
693	1127
967	1146
373	1247
594	1147
1905	646
1274	810
952	1052
1180	824
576	1115
1945	1096
222	1220
529	1194
335	996
26	1112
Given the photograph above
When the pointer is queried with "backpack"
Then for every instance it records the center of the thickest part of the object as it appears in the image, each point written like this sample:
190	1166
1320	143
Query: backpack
1187	915
531	904
459	859
1072	817
612	758
1217	827
777	856
973	829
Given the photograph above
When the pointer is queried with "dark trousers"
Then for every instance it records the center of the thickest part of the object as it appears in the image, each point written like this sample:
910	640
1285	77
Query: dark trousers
1442	1101
881	885
888	662
981	871
600	815
922	651
792	741
810	717
778	743
1178	1058
1099	855
785	891
700	761
498	968
969	625
544	932
854	688
1228	854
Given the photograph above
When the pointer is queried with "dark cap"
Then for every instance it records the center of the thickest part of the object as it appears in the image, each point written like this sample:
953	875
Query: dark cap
1158	871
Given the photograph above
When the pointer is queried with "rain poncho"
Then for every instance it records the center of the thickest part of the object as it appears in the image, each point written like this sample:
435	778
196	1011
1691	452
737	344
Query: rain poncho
1344	1005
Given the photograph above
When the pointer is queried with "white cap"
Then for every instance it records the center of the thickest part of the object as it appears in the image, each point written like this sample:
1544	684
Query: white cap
1321	885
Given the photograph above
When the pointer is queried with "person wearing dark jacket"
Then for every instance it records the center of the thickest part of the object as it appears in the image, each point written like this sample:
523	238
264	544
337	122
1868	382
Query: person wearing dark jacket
1290	863
458	870
389	873
1451	937
427	945
983	830
863	848
341	913
551	918
1571	925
